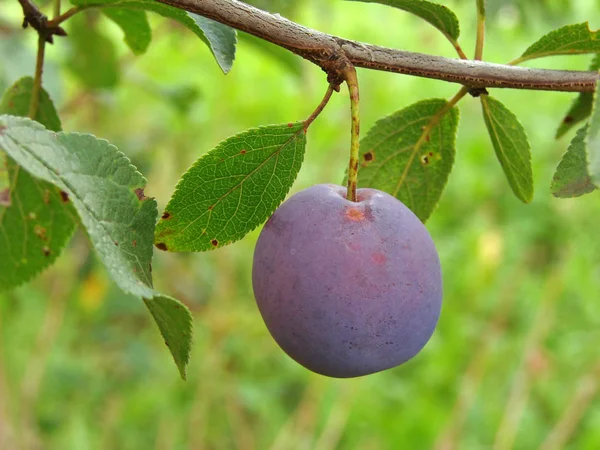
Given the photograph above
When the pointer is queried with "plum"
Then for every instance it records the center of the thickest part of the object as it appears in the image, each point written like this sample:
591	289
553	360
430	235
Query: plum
347	288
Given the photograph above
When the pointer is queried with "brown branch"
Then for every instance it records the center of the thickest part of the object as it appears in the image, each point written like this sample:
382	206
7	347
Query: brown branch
34	17
325	50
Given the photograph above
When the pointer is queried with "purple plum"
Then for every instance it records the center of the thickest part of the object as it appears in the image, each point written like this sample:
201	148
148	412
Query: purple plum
347	288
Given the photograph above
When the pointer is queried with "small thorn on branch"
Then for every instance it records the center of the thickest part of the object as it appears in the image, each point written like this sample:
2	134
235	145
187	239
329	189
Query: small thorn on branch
39	21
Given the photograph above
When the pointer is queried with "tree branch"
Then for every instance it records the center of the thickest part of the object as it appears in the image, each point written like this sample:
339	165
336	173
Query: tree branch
327	51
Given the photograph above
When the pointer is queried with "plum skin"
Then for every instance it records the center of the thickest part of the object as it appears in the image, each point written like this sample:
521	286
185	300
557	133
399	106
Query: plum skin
347	288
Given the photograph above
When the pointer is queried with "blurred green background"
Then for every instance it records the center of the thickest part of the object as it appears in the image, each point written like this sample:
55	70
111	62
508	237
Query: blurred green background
513	364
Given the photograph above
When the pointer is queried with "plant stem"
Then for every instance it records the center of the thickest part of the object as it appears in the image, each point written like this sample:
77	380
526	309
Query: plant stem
56	12
320	107
480	29
37	79
352	82
69	13
458	49
325	50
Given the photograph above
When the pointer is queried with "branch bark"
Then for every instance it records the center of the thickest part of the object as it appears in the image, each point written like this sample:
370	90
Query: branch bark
327	51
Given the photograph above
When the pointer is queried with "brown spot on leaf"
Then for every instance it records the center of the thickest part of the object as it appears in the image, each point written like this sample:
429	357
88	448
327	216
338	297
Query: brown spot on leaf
5	197
165	215
214	242
568	119
211	207
162	246
64	197
116	243
140	194
46	196
134	243
242	152
424	160
427	138
40	232
290	124
46	250
369	156
2	128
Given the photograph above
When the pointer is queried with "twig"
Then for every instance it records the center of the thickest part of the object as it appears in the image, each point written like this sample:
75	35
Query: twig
37	79
325	50
480	29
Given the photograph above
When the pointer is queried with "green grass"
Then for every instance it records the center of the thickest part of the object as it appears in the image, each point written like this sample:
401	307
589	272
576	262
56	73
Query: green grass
514	360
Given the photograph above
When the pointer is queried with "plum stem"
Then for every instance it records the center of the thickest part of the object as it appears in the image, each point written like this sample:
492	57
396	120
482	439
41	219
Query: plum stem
349	74
321	106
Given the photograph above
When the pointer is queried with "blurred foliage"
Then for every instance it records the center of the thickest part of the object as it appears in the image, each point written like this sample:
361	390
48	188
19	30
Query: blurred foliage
513	363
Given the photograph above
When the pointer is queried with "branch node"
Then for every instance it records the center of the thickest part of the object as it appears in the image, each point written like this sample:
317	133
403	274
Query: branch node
39	21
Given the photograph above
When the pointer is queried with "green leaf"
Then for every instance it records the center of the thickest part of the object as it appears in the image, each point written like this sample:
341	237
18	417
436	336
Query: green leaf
35	223
568	40
174	321
593	141
581	107
220	39
437	15
135	26
105	189
232	189
397	158
571	178
511	146
92	57
108	195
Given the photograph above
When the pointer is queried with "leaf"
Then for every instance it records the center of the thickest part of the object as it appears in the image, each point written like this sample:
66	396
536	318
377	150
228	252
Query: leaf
92	57
220	39
568	40
437	15
571	178
511	146
35	223
593	141
105	189
135	26
174	321
581	107
108	195
397	158
232	189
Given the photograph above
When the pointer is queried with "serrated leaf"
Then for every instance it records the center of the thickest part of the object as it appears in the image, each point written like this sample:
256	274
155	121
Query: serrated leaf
174	321
568	40
35	223
593	141
232	189
92	57
135	26
108	195
440	16
220	38
511	145
581	107
396	158
103	186
572	178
